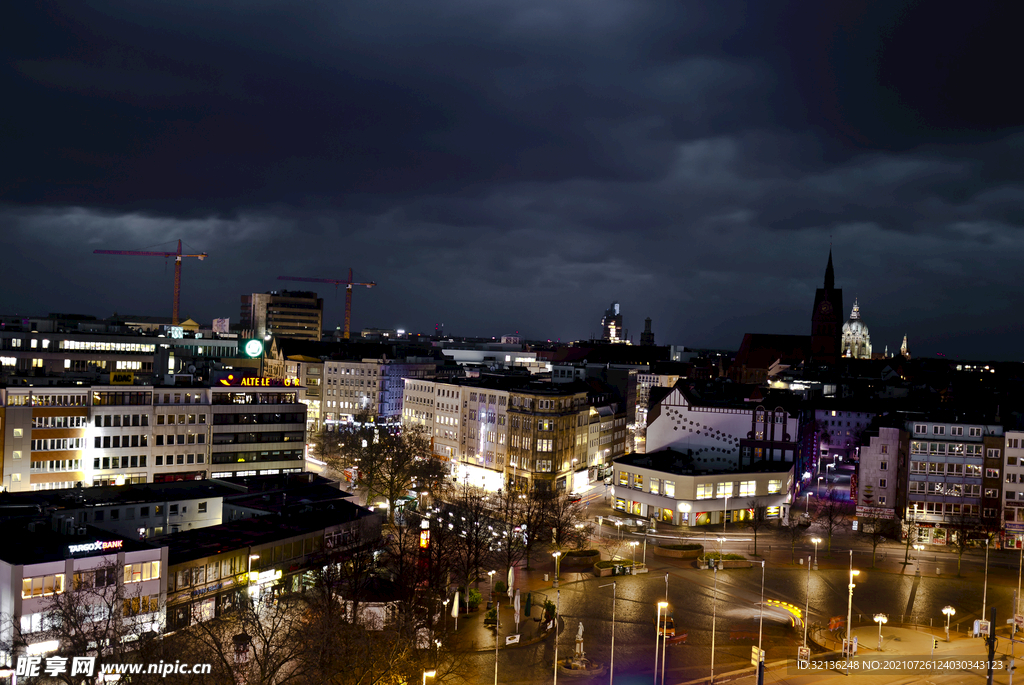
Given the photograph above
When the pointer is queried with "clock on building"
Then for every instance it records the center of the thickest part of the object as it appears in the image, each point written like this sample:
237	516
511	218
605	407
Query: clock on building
826	307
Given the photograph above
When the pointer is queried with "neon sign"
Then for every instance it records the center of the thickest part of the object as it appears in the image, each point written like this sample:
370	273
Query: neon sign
99	545
256	382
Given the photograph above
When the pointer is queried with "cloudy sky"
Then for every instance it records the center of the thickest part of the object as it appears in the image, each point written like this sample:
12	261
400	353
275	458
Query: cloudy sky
516	165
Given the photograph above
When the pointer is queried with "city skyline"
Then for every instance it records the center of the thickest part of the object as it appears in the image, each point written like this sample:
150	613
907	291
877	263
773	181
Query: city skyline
517	166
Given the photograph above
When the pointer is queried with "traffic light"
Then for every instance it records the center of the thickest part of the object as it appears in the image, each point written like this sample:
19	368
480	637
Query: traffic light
935	643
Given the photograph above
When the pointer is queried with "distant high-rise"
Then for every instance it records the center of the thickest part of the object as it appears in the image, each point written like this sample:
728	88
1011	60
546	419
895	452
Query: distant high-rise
611	324
285	314
647	337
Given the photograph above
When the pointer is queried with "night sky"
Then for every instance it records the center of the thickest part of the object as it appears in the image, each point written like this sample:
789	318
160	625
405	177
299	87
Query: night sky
516	165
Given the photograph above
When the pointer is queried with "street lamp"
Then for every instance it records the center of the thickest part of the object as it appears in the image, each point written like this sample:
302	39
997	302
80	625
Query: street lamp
618	527
816	541
827	467
428	674
724	512
633	544
820	478
248	573
807	501
658	634
918	549
948	611
611	666
714	618
558	561
849	615
880	619
490	577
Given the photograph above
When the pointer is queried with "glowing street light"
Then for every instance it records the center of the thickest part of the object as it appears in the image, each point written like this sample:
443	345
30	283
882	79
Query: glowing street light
816	541
849	615
918	549
658	634
428	674
558	560
949	612
490	577
880	619
633	544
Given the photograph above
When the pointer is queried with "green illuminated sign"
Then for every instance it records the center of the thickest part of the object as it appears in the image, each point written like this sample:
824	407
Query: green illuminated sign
252	348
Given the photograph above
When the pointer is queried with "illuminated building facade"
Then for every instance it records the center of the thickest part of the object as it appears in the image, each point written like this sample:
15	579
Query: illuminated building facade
856	339
611	325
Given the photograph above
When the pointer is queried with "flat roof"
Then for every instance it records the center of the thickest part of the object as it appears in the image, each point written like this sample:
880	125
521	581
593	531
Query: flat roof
116	495
668	460
251	532
23	546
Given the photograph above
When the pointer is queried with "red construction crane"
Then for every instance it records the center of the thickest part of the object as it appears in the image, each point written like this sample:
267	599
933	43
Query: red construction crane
348	291
177	269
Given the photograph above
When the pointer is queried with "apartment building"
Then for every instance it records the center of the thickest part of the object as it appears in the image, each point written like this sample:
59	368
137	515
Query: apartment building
955	475
544	420
46	437
1013	490
376	386
876	487
669	487
284	314
309	373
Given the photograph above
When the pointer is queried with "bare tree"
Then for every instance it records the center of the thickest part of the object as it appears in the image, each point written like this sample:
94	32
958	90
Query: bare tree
509	520
832	514
97	614
565	520
758	518
876	529
962	527
794	530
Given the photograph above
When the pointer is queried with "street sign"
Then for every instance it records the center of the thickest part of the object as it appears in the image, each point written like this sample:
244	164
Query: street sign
512	639
754	656
803	653
982	628
1018	620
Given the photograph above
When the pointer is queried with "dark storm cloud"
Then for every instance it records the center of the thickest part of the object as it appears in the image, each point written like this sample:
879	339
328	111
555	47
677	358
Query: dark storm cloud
502	166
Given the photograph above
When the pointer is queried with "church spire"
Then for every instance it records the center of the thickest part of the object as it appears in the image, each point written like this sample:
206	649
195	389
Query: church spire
830	274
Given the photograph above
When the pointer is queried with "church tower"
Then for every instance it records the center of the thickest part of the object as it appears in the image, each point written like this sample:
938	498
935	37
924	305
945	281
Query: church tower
826	320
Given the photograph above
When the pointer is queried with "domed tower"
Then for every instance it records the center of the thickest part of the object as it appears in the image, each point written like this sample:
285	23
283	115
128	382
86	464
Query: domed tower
856	339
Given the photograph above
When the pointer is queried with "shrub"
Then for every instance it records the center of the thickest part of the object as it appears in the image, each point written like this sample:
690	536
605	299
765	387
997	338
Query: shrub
473	598
500	587
584	553
609	564
549	610
725	557
684	548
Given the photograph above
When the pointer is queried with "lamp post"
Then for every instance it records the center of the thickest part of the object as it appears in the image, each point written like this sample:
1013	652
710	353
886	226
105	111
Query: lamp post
724	512
558	560
949	612
611	666
490	577
248	572
807	600
816	541
558	604
918	549
714	618
632	570
658	634
880	619
849	616
827	467
807	501
820	478
618	527
984	593
664	643
428	674
760	628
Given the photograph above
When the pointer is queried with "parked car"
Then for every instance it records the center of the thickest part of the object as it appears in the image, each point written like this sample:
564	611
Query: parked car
667	627
575	497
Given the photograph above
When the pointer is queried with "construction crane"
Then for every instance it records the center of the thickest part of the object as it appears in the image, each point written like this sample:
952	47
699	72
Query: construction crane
177	269
348	291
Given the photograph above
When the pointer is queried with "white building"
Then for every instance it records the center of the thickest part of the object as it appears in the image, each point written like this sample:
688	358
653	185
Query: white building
373	385
1013	488
666	486
722	432
856	341
41	559
876	482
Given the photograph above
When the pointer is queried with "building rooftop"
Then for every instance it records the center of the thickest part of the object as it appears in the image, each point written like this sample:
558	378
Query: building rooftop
252	532
116	495
669	460
32	540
